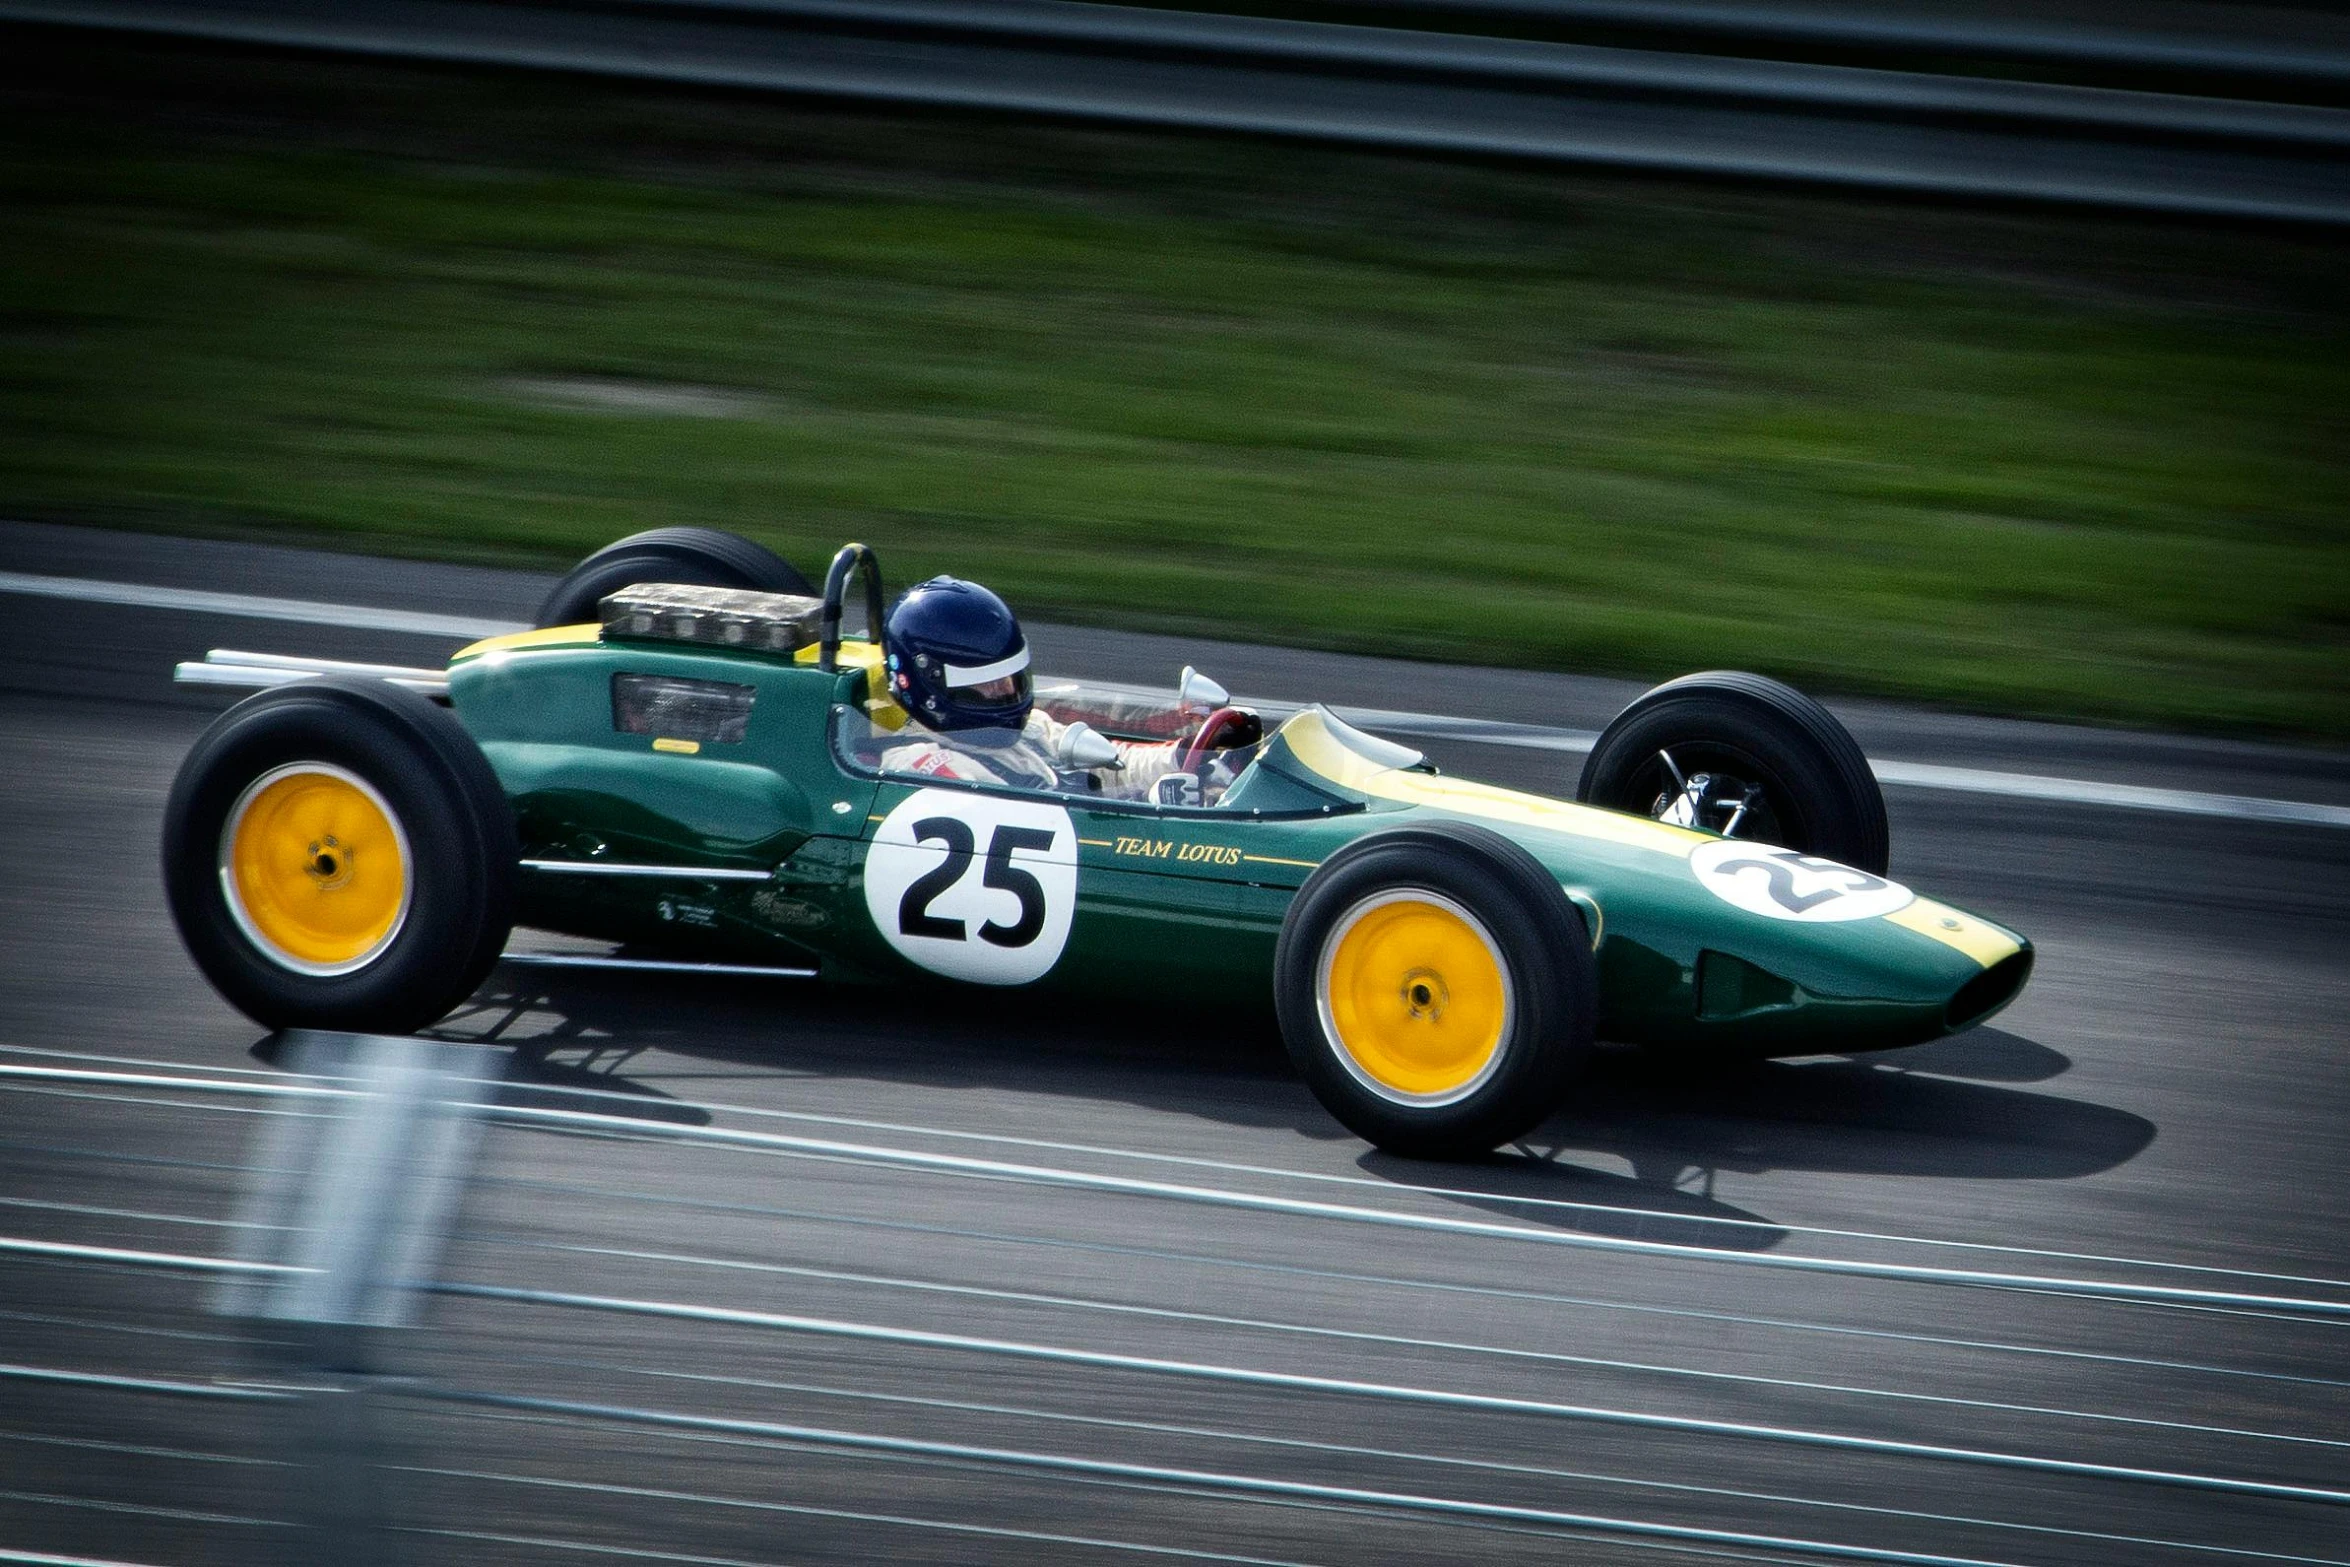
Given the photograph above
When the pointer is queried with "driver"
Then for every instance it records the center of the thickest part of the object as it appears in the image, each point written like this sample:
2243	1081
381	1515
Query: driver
957	662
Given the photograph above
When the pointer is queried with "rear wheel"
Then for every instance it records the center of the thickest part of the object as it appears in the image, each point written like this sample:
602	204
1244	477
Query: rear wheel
1436	990
704	557
1746	757
338	854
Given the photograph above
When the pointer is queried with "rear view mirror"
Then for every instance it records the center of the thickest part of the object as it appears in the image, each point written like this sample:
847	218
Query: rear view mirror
1195	692
1080	747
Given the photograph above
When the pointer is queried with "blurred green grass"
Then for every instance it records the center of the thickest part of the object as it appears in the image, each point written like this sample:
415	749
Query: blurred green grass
2074	466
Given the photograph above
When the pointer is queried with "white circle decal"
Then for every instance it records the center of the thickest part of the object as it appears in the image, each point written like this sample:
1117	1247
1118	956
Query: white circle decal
1781	884
974	886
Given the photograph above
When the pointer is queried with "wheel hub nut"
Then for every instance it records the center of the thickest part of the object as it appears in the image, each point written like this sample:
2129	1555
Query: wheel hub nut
330	862
1424	994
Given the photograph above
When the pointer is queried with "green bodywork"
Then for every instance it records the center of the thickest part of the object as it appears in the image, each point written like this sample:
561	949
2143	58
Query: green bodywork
1167	900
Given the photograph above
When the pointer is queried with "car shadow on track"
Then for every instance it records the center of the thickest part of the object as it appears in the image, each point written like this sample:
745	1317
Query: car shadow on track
1930	1111
1982	1055
1904	1113
1939	1111
1636	1152
598	1026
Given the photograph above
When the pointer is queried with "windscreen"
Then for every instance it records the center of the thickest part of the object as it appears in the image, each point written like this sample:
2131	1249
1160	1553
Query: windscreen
1233	780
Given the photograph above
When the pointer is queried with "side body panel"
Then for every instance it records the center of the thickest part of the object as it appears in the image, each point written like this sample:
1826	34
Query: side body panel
1159	903
882	880
587	791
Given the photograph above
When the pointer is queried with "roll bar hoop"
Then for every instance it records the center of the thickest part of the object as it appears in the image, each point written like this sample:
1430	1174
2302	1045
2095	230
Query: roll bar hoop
852	558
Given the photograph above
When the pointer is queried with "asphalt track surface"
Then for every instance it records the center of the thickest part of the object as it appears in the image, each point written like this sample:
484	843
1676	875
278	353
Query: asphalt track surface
1698	1288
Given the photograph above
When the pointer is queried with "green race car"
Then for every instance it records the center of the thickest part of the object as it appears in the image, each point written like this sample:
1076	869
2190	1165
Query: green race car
689	759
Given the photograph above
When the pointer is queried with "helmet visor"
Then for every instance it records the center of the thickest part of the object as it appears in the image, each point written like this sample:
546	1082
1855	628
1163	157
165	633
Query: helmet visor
1003	686
1005	693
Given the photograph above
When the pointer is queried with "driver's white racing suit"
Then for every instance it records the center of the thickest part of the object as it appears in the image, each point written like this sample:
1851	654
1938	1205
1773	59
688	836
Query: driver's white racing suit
1031	761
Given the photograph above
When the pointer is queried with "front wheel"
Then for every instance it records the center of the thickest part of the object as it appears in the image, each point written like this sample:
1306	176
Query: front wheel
338	854
1435	989
1747	757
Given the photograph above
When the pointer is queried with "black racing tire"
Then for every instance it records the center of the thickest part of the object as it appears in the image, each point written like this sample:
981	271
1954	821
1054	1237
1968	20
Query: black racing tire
246	891
704	557
1532	936
1818	794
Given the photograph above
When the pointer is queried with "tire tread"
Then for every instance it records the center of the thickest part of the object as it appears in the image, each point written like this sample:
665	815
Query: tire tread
420	751
709	556
1858	810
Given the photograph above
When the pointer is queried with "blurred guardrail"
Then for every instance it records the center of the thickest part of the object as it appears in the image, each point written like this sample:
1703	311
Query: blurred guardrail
666	1395
2193	39
1914	130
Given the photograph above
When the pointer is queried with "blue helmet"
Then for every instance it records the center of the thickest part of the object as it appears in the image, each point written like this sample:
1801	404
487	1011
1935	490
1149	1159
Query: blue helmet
956	658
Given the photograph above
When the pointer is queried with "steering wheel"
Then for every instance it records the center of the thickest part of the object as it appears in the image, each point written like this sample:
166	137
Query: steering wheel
1210	735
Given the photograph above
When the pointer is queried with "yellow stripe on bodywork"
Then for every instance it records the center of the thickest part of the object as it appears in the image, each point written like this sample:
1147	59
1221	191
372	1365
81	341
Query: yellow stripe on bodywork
1981	940
1310	741
881	705
545	636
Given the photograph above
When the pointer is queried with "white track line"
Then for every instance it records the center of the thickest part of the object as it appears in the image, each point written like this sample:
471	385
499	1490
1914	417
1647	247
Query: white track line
1392	1392
954	1165
1349	1277
310	612
1392	1454
1208	1260
176	1261
780	1144
2132	797
1405	1341
1907	775
1611	1211
136	1384
792	1509
1325	1177
1914	775
1206	1480
1232	1167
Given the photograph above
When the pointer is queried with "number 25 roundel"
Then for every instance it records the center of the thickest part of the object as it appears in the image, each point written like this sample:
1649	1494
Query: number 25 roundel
1781	884
974	886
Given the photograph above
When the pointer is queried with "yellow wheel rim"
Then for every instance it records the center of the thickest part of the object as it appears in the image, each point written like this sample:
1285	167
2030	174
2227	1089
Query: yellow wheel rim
1415	998
315	867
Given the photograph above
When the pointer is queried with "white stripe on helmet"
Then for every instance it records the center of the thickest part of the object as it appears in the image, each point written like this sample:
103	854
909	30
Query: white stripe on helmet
981	674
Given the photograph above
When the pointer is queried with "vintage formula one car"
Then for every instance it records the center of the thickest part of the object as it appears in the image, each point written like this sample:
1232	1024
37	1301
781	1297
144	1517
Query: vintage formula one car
691	760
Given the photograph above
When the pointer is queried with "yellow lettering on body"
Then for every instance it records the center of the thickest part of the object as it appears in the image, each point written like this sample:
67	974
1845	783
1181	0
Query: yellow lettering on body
1182	853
